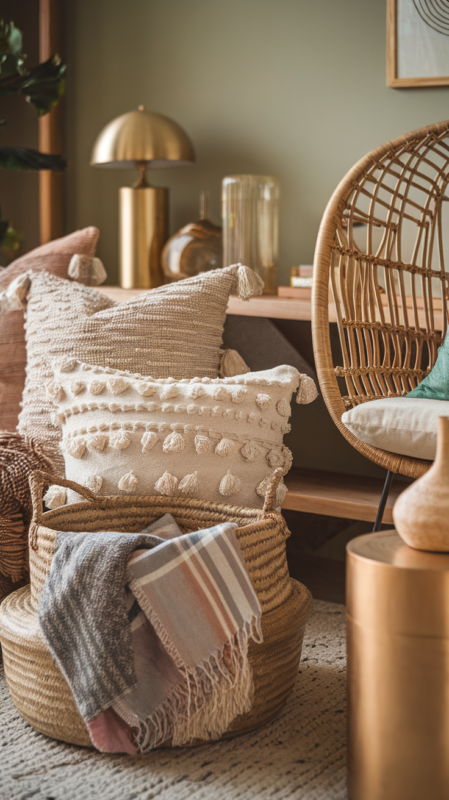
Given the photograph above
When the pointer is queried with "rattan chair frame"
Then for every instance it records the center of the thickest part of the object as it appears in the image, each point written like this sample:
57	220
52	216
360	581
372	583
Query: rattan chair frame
387	332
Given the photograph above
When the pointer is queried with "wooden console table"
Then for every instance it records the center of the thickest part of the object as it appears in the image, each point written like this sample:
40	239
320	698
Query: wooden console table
313	491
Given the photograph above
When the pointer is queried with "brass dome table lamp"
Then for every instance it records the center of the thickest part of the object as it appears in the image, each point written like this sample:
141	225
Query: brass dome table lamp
142	139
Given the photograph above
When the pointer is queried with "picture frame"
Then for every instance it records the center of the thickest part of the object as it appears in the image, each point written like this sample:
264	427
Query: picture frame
417	43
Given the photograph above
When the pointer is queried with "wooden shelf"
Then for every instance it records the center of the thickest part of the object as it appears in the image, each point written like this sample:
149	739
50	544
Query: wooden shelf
336	495
270	306
275	307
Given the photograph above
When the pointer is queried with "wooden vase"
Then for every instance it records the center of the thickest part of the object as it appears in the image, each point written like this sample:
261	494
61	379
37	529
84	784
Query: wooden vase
421	512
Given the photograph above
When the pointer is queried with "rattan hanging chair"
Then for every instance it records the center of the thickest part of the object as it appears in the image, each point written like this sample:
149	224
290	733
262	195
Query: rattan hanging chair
380	258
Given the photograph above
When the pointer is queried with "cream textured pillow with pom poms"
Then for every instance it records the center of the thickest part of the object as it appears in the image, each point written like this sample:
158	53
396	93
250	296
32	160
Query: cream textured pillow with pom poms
215	439
174	331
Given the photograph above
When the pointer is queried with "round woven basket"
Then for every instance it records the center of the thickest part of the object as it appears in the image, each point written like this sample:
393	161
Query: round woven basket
38	688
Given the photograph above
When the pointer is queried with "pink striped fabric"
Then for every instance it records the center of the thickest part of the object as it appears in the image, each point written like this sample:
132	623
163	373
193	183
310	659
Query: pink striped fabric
192	610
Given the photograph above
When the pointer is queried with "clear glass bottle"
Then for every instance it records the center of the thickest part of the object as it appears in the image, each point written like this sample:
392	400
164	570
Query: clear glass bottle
250	212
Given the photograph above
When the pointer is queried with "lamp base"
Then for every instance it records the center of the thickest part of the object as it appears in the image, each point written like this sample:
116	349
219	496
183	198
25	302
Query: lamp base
143	233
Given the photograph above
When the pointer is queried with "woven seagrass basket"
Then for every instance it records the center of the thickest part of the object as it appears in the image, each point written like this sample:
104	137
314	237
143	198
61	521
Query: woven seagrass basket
38	688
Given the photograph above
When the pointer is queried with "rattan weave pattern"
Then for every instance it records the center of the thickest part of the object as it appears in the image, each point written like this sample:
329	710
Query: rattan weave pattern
43	697
387	282
262	534
19	456
37	686
299	755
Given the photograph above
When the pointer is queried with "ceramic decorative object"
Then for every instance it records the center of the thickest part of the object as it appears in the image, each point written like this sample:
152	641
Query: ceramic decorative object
197	247
250	213
421	512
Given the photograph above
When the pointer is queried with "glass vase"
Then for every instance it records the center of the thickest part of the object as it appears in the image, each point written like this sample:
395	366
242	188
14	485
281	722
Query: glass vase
250	211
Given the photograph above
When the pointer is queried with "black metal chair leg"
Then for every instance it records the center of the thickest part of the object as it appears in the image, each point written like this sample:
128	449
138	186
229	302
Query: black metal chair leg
383	500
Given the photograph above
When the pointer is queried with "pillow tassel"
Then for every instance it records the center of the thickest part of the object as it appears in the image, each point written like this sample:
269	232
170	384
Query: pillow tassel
230	484
148	441
75	447
13	298
117	385
224	447
250	451
173	443
128	482
249	284
55	496
93	482
307	391
87	270
189	485
120	440
167	484
275	458
97	387
261	488
281	491
231	364
97	443
263	400
202	444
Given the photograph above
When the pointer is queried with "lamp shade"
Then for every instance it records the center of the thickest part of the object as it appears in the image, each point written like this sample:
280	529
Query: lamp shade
143	136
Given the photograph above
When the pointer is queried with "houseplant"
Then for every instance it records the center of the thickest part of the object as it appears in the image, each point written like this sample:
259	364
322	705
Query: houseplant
42	87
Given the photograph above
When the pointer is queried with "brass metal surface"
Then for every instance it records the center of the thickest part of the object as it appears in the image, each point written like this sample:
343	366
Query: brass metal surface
398	670
143	233
142	136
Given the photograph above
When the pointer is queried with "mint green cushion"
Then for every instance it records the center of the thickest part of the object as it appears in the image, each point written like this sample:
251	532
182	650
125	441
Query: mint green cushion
436	385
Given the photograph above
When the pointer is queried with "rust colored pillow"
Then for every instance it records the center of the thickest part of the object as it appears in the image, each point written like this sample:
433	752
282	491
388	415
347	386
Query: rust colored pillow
53	257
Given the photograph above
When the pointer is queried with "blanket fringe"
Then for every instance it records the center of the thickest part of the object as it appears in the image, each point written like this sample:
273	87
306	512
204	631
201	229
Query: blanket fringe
213	693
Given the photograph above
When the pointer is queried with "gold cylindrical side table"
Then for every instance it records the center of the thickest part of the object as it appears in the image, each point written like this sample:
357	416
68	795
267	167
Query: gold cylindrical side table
398	670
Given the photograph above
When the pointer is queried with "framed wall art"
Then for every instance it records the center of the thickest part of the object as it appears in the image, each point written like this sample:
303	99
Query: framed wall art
417	43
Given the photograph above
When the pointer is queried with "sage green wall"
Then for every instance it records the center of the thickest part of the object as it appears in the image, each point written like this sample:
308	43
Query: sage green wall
292	88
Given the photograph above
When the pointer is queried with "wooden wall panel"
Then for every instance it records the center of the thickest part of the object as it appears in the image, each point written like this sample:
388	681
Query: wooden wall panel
50	127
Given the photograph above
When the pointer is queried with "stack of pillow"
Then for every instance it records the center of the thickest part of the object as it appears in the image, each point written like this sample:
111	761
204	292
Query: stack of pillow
138	397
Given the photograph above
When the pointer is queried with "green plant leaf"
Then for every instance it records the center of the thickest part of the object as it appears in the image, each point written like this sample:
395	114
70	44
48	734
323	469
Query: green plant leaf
11	240
11	58
43	86
22	158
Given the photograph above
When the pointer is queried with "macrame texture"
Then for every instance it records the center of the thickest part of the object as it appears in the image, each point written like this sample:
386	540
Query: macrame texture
19	457
207	438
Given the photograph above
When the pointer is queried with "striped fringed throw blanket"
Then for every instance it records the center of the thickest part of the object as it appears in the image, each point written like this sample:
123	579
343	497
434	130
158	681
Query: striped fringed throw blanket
151	631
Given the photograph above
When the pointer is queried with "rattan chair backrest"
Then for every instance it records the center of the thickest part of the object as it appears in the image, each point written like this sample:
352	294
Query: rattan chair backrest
380	259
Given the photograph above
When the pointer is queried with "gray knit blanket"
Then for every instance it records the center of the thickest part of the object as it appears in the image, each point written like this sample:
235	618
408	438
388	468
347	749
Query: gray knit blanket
151	632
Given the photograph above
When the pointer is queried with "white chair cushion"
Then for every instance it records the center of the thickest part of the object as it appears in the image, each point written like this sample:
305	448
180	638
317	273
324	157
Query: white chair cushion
405	425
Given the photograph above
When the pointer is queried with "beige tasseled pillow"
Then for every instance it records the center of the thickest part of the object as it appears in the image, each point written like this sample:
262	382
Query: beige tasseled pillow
174	331
215	439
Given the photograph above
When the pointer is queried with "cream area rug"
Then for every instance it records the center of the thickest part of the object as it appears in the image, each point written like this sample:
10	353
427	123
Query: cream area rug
299	756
